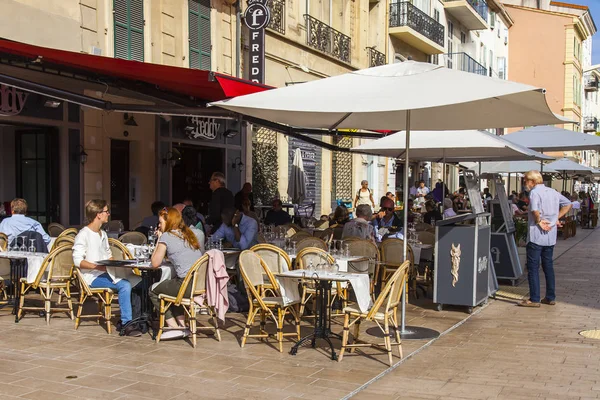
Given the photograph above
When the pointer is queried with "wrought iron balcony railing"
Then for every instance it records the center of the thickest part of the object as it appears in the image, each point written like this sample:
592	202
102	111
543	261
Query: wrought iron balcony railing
480	7
324	38
590	124
277	21
405	14
376	58
464	62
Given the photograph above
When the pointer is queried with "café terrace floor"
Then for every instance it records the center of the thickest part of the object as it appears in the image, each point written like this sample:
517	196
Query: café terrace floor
58	362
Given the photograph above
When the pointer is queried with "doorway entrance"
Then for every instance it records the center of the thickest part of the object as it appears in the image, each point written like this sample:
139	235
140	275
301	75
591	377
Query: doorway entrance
119	181
192	171
37	172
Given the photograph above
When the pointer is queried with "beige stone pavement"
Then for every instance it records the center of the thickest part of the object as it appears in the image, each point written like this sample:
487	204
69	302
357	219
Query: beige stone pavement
501	352
510	352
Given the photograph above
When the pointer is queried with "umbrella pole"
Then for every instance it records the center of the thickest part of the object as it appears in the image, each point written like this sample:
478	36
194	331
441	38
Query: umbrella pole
443	178
405	210
479	177
508	186
410	332
542	163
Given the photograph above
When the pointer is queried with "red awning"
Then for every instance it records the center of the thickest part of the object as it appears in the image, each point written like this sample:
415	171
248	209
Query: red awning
201	84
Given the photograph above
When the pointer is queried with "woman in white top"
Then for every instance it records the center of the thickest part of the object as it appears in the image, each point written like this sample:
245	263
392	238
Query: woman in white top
91	245
364	195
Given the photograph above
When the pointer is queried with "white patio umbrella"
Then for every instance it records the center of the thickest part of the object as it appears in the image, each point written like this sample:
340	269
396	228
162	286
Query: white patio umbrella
509	167
297	182
407	95
567	167
551	138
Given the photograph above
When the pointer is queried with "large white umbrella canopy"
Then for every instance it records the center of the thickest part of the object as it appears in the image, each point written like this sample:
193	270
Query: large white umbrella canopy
551	138
568	167
508	167
450	146
377	98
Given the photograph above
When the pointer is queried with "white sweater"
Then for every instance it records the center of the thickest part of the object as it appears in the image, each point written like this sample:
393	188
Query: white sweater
92	247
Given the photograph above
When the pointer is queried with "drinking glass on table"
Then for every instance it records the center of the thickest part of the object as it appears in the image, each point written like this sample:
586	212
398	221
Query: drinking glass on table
32	246
347	250
23	247
139	253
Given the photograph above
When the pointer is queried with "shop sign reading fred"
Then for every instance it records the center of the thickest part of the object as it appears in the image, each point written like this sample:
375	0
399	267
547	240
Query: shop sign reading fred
202	128
12	100
256	18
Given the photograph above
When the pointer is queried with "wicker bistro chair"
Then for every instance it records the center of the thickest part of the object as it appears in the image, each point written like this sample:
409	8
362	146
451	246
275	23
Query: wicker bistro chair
426	238
3	241
58	265
63	241
72	232
115	225
392	256
196	279
276	260
300	235
252	268
325	235
290	229
4	266
104	296
423	227
311	242
55	229
367	249
384	310
118	250
134	237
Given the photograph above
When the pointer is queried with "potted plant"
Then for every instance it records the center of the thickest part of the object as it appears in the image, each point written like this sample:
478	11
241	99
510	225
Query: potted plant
520	232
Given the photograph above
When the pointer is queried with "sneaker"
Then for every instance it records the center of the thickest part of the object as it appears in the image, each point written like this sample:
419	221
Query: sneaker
174	334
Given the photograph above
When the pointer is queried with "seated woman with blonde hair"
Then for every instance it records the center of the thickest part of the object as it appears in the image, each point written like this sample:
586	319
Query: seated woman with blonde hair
183	246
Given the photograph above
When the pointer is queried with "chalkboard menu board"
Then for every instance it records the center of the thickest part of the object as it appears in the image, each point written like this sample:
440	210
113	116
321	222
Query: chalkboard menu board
472	183
498	185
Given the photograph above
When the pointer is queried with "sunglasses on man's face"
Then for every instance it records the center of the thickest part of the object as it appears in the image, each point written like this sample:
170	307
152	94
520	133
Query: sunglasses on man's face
387	208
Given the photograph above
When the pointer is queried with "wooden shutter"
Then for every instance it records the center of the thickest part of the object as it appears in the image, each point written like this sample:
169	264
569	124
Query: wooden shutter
200	45
129	29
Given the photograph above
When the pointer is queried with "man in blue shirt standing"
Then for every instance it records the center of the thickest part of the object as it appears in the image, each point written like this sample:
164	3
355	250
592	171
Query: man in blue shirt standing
19	223
546	207
238	229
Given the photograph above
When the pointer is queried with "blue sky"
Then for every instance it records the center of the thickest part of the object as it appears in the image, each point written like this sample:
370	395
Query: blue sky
594	6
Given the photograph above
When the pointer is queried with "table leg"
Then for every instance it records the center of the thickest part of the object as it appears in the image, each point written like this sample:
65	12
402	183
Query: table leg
146	305
322	329
18	269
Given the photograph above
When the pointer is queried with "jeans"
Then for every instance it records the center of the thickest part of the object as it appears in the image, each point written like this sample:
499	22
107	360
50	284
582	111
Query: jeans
123	288
536	252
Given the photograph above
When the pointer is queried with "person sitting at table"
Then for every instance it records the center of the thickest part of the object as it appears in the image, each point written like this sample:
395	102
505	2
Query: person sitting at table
448	209
183	246
340	216
190	217
360	226
91	245
512	201
18	223
238	229
247	210
152	220
277	216
387	218
432	213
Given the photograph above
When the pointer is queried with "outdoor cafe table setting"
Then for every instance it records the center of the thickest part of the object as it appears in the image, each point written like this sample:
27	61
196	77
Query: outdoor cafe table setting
324	276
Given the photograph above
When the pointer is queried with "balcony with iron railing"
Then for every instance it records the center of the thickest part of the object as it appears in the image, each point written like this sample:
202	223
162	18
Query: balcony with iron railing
591	83
324	38
376	58
590	124
277	20
414	27
464	62
473	14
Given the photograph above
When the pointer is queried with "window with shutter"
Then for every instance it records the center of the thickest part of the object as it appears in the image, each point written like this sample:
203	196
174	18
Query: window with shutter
129	29
200	47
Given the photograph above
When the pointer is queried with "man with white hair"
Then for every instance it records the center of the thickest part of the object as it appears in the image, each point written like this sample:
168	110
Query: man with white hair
546	208
360	226
222	199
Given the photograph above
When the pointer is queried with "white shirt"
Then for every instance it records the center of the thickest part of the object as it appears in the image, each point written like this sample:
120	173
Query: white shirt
576	205
449	212
92	247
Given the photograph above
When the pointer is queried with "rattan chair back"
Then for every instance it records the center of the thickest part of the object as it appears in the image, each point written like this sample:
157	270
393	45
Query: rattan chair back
423	227
392	252
426	237
59	266
311	242
3	241
55	229
136	238
63	241
69	232
290	229
253	269
83	285
196	277
298	236
325	235
115	225
389	298
315	255
276	259
118	250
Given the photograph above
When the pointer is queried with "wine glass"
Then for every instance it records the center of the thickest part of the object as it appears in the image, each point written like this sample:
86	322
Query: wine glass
139	253
23	247
347	250
335	247
32	245
294	247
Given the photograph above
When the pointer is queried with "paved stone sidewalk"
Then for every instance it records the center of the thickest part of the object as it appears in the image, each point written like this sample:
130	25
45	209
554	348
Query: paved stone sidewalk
510	352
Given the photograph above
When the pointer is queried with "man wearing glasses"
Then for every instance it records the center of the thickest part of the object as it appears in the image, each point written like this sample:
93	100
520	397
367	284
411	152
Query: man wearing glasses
91	245
387	218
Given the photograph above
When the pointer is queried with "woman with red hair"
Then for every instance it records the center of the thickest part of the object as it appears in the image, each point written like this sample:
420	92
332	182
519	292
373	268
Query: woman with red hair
183	246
